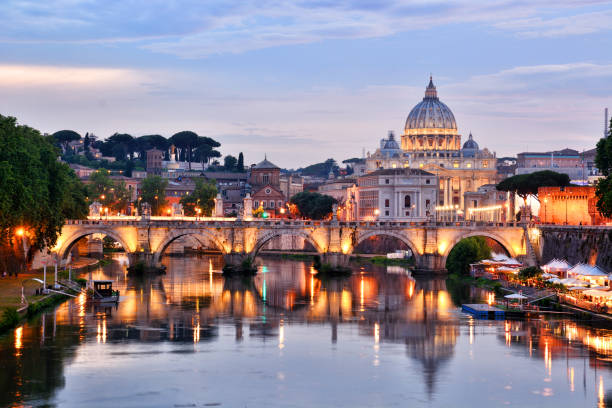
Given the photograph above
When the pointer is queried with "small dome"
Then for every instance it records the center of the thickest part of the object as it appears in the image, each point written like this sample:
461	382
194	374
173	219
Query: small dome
470	144
390	143
431	113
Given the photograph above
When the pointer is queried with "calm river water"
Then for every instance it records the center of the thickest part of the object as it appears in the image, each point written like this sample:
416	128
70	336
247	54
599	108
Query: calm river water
379	338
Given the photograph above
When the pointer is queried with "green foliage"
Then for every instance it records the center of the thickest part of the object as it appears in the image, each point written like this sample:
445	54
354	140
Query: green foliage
112	195
34	186
529	273
9	319
320	169
203	197
240	165
527	184
186	141
64	137
603	161
74	203
383	260
467	251
230	163
52	300
258	212
153	191
603	192
312	205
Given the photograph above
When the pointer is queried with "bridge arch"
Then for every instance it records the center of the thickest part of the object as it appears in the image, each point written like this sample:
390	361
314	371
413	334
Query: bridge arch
495	237
389	233
263	240
198	234
68	243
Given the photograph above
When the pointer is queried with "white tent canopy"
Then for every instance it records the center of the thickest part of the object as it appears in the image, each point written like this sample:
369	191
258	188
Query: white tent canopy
557	264
586	270
598	293
515	296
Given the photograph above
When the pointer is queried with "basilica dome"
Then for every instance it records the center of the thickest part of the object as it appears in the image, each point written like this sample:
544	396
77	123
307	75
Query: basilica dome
431	125
430	113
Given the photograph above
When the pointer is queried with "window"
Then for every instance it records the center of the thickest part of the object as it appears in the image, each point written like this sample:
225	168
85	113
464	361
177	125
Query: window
255	204
393	165
407	213
427	181
387	203
271	204
427	203
485	163
386	181
280	203
266	178
468	165
387	213
456	165
407	201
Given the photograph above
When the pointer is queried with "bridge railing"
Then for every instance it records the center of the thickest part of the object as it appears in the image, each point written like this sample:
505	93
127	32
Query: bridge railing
281	222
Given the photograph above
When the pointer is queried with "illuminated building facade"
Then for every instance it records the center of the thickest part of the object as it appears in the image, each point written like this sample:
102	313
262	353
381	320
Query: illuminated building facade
570	205
431	142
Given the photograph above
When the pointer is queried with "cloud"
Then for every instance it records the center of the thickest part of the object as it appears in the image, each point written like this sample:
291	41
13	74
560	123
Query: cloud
539	107
194	29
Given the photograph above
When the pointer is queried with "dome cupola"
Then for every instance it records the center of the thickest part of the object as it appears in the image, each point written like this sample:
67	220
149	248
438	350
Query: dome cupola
431	124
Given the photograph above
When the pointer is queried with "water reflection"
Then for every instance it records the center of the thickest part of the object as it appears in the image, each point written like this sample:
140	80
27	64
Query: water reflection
395	337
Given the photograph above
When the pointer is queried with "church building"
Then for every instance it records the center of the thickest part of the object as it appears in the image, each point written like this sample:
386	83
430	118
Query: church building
431	142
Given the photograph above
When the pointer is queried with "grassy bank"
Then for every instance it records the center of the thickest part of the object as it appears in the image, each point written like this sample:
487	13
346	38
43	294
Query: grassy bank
10	293
384	261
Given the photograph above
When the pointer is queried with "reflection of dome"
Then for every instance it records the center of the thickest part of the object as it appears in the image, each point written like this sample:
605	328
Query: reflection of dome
430	113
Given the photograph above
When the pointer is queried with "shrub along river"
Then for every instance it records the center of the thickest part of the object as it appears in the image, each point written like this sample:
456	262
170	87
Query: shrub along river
286	338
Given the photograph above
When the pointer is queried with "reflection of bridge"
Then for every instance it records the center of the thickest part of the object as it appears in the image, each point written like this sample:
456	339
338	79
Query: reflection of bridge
335	241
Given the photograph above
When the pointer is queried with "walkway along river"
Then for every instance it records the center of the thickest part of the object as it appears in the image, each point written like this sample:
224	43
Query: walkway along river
286	338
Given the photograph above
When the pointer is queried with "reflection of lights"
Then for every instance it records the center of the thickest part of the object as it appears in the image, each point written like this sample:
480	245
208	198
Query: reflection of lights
491	298
600	393
281	335
18	338
311	289
376	333
196	333
411	285
471	325
361	296
571	378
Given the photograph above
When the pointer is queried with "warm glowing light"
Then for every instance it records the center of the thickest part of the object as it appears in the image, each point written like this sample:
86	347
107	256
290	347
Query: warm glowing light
442	247
20	232
18	339
376	211
481	209
376	333
281	335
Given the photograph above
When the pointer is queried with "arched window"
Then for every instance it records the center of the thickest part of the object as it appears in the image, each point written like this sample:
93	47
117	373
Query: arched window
407	201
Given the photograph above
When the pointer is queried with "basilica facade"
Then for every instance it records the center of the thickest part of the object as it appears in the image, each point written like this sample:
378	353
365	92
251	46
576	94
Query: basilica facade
431	142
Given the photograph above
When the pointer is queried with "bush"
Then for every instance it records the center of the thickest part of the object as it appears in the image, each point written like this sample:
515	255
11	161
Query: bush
10	318
529	273
467	251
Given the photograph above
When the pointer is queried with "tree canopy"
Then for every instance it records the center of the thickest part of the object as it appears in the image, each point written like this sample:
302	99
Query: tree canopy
111	194
467	251
525	185
603	161
312	205
64	137
203	197
37	190
320	169
153	191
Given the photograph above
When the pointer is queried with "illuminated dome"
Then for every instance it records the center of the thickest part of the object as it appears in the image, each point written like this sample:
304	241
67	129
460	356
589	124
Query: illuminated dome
431	113
431	125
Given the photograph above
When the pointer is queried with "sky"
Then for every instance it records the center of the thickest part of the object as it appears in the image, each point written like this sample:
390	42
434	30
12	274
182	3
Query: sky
303	81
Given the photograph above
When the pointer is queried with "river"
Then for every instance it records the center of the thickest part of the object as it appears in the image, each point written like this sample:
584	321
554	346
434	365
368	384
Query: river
379	338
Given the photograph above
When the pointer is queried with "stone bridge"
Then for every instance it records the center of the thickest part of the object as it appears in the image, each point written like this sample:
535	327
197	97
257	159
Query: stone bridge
146	239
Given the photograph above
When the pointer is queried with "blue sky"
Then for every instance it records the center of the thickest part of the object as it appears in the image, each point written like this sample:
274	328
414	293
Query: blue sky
307	80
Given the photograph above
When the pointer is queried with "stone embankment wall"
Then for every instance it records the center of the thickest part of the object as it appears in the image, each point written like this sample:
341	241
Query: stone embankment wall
592	245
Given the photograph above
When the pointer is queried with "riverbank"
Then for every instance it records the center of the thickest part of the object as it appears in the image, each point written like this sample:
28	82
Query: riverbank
10	292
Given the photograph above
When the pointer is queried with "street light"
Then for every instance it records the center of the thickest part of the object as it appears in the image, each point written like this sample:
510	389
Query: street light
198	211
20	231
102	197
